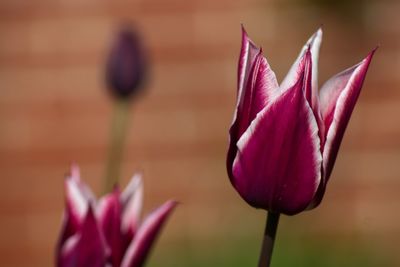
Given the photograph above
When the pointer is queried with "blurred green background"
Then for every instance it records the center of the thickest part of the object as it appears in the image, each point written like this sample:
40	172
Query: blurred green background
54	109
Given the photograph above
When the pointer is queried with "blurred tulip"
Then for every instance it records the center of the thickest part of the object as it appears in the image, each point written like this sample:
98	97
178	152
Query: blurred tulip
284	138
107	233
126	66
125	74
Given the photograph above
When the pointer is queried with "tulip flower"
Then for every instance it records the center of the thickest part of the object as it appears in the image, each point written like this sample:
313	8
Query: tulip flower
285	137
107	232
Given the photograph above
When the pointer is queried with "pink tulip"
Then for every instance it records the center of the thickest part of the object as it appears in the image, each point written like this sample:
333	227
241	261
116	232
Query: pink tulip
107	232
284	138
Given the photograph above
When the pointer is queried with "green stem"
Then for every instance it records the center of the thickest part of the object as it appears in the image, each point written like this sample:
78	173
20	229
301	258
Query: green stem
269	239
117	139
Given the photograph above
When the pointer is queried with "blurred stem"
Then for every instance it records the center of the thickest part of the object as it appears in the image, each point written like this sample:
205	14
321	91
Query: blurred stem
117	139
269	239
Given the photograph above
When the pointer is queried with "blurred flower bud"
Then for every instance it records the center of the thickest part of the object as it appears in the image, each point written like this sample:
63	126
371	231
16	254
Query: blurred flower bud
126	65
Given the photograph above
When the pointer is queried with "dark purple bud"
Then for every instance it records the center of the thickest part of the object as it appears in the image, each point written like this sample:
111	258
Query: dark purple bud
126	65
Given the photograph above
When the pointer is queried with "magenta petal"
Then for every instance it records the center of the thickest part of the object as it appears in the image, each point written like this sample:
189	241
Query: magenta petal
257	86
259	90
248	53
278	166
87	248
138	250
338	97
132	201
77	198
313	45
109	216
77	194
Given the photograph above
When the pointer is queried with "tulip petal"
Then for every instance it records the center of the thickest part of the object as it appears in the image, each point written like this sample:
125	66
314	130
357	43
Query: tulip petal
77	198
138	250
77	203
257	83
77	193
132	202
260	89
87	248
278	164
338	97
313	44
248	53
257	86
109	216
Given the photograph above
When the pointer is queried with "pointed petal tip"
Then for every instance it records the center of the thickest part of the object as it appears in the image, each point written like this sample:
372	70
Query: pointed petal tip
245	36
320	29
317	34
139	248
74	172
137	177
371	54
170	205
165	208
367	60
244	32
173	202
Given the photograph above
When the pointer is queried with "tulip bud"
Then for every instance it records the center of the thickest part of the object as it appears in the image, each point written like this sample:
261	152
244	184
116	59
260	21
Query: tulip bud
126	65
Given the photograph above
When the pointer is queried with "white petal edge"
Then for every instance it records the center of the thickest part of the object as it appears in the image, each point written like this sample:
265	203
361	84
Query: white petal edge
78	194
145	229
340	106
315	42
132	202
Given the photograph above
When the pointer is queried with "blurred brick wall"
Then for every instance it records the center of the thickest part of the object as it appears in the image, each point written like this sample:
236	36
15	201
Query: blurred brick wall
54	110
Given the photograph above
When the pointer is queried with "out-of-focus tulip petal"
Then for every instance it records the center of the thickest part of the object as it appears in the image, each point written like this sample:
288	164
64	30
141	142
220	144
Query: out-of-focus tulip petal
313	44
77	203
138	250
132	202
78	196
109	216
278	165
87	248
338	97
77	193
